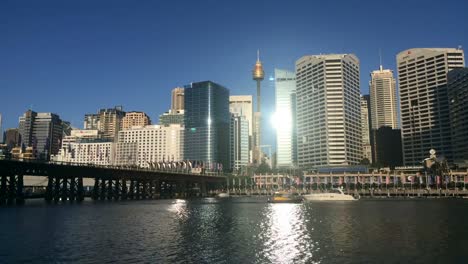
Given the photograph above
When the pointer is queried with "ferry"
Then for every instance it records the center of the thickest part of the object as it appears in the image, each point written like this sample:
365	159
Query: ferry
332	195
284	197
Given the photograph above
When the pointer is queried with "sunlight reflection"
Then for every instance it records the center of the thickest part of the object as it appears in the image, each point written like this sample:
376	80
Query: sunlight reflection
287	239
179	207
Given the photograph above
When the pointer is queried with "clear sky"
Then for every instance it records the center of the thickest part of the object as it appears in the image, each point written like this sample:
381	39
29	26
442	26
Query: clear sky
74	57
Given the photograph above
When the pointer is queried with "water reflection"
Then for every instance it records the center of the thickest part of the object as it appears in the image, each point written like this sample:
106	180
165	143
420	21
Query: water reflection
285	235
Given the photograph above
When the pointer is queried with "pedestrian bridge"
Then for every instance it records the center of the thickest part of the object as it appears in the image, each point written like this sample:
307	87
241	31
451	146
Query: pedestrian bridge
67	182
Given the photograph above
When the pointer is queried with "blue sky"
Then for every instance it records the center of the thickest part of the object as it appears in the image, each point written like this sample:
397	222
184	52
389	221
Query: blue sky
74	57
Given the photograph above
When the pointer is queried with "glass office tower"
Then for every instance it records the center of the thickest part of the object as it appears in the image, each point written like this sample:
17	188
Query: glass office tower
207	123
285	92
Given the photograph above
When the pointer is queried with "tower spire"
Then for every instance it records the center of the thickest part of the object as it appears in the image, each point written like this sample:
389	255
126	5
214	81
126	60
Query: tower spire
380	56
258	55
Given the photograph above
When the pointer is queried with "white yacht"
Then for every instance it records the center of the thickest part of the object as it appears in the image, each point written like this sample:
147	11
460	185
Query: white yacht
332	195
223	195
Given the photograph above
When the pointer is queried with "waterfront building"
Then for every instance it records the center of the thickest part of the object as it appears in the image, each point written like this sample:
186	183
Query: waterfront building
12	138
107	121
172	117
458	101
258	75
239	142
207	122
141	146
134	119
86	151
365	128
425	121
285	113
386	147
177	99
328	110
243	105
42	132
383	99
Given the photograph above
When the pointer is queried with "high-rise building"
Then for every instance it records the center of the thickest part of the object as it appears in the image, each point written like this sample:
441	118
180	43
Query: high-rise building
383	99
365	128
134	119
239	142
258	75
177	102
207	123
12	138
328	110
285	113
386	144
142	146
172	117
91	121
458	105
243	106
425	122
107	121
41	131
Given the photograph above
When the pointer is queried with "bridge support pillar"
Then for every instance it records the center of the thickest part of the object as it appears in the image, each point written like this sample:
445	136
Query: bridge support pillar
102	195
3	189
123	194
19	190
95	194
79	191
110	190
203	188
138	189
131	192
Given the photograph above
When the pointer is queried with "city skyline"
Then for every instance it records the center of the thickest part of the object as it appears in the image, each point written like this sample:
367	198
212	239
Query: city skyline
137	53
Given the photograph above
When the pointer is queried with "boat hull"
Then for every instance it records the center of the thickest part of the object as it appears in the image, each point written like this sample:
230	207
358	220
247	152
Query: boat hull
328	197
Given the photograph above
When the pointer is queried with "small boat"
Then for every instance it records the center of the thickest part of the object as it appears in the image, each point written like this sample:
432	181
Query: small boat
332	195
223	195
285	197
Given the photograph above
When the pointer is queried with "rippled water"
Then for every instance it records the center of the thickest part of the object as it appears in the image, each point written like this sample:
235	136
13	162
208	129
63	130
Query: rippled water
236	230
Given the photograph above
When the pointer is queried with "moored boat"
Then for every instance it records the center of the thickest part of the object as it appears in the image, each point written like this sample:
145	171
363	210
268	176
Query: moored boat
223	195
331	195
285	197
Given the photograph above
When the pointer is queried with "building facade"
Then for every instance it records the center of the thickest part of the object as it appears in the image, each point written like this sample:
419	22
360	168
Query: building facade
425	121
141	146
207	123
386	143
172	117
12	138
243	105
328	110
42	132
177	99
458	102
134	119
383	99
365	127
86	151
285	113
107	121
239	143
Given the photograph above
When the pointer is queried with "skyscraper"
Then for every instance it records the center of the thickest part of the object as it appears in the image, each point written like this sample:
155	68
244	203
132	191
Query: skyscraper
328	110
177	102
285	112
12	138
107	121
258	76
383	99
425	122
243	106
239	142
365	127
41	131
207	123
458	101
134	119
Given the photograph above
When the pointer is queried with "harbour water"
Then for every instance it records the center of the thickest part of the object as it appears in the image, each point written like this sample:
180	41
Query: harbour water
236	230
